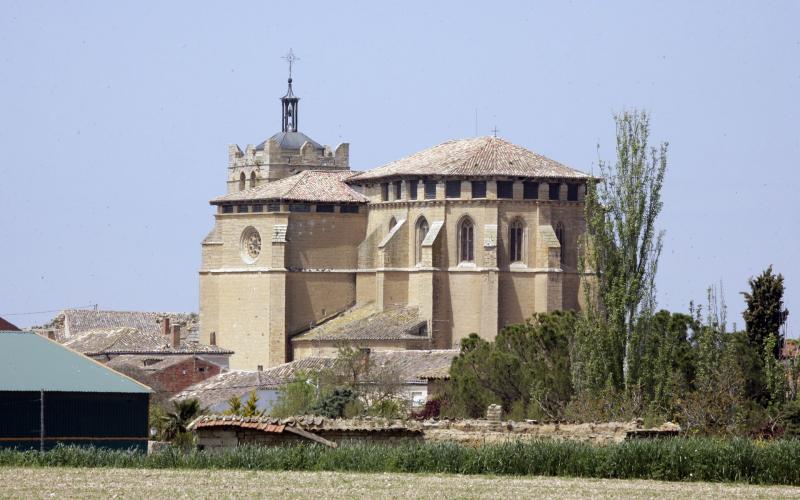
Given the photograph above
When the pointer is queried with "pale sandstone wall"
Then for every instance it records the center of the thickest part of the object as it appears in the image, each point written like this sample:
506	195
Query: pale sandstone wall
244	318
395	289
365	287
465	305
324	241
517	297
312	296
481	432
231	227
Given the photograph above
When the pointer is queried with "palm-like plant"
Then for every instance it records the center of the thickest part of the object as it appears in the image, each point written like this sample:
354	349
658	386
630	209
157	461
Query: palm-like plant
182	414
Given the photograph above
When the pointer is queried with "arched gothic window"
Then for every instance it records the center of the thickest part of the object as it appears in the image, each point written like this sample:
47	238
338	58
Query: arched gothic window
422	231
392	223
242	181
466	240
252	179
561	240
516	233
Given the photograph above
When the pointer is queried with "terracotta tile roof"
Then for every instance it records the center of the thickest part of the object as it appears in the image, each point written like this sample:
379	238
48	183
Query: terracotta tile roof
477	157
325	186
411	365
220	388
438	373
151	362
72	322
116	341
368	323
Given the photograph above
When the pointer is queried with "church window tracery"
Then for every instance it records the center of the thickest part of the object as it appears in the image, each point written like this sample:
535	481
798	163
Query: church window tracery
516	232
466	239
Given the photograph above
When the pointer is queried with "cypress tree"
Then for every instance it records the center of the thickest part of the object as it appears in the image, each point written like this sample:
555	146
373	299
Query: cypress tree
765	313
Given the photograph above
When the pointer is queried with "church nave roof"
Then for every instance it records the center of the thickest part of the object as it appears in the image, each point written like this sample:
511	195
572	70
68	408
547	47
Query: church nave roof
476	157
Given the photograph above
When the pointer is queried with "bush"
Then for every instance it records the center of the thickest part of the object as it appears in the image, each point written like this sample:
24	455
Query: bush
678	459
334	404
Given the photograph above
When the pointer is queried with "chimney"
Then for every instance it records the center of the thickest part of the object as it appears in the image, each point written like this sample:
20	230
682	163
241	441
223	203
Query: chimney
165	325
176	336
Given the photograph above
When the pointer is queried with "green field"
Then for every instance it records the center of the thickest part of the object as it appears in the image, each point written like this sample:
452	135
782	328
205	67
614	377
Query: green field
64	482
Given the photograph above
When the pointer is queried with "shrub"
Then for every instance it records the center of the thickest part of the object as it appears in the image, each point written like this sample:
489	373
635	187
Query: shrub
334	404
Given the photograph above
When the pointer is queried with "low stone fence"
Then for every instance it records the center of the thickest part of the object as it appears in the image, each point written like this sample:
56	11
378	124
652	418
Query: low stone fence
223	432
479	432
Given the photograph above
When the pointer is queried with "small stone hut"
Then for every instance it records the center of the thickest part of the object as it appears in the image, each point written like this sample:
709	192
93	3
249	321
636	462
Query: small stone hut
218	432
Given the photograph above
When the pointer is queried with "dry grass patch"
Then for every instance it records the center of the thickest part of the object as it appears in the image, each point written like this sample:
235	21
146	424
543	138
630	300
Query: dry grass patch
165	483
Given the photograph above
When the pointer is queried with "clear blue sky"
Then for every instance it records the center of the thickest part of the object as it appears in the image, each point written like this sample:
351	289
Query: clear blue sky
115	119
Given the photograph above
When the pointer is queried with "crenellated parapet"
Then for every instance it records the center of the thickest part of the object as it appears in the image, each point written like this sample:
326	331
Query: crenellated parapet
271	161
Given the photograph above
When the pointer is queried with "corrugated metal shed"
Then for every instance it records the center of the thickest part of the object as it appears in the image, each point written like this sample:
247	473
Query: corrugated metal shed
30	362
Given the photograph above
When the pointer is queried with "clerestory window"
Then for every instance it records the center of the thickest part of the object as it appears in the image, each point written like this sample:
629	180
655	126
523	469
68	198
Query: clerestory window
466	239
516	233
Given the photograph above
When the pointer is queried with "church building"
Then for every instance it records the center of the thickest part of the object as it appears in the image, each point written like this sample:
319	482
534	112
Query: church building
307	255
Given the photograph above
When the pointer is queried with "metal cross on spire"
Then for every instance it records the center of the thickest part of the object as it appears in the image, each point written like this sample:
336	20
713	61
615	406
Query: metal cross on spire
291	59
495	130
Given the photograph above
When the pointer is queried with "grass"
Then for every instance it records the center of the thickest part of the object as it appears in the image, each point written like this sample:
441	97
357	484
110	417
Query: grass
66	482
679	459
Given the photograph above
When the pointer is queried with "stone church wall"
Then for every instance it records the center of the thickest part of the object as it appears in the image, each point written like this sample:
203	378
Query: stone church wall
313	296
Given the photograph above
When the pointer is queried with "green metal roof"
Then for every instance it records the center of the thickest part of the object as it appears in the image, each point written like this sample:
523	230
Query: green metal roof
30	362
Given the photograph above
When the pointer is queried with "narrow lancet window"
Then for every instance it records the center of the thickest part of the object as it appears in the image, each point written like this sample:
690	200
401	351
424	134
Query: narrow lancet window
466	238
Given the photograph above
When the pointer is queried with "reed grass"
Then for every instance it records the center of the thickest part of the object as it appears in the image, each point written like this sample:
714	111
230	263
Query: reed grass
677	459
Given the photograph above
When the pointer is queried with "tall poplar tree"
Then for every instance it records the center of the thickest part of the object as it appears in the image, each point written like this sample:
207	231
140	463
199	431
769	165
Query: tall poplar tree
623	248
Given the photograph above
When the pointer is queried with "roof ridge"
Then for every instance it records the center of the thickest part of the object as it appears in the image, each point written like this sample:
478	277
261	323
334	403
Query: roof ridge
484	156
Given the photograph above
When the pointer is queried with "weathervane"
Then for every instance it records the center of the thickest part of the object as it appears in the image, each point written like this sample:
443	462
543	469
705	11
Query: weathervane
290	58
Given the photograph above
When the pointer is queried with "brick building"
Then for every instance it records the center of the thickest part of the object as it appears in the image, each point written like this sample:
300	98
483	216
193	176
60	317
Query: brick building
305	254
166	375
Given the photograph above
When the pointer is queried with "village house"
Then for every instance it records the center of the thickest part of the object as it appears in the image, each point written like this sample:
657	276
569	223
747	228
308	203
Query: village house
105	344
166	375
70	323
406	367
217	433
304	255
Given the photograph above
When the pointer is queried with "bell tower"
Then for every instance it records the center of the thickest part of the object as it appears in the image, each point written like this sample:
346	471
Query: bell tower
289	102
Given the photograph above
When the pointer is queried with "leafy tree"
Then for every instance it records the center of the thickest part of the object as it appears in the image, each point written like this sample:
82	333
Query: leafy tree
775	376
527	363
663	367
623	246
296	397
765	313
